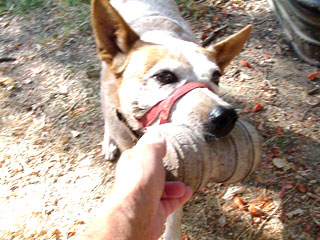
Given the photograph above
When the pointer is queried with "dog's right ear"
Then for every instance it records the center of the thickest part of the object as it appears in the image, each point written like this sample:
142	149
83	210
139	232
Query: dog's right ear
112	33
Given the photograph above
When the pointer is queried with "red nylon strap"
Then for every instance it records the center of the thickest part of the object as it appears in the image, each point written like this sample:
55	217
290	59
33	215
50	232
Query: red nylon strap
163	108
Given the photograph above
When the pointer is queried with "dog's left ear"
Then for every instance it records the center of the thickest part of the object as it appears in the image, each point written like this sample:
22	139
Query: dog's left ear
112	33
227	49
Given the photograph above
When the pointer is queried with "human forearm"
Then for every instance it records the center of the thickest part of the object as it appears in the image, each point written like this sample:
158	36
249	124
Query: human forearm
120	219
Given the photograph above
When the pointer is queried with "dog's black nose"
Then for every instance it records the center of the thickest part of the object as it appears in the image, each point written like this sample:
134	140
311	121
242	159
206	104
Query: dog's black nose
222	120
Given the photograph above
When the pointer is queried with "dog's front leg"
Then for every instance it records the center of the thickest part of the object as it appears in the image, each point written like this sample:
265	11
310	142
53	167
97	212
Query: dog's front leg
173	226
117	137
110	149
109	145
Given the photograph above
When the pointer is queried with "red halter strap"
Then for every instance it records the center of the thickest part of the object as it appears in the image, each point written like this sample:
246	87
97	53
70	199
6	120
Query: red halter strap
163	108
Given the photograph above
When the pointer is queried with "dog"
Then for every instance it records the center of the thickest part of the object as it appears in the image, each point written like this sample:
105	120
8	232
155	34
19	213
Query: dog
154	71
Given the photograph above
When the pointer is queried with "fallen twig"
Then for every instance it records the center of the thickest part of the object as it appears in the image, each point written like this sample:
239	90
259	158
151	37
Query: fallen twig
244	232
66	112
314	91
261	22
7	59
212	36
309	109
268	141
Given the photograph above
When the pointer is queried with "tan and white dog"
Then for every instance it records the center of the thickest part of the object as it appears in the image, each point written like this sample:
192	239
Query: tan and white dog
154	71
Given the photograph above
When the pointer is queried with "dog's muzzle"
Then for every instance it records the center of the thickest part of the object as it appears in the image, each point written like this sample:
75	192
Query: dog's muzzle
221	119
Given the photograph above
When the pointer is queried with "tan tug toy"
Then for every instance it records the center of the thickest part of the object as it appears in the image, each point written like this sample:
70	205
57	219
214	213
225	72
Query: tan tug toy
193	160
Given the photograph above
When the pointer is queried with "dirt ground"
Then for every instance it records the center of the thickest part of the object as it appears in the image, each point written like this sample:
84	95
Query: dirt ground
52	177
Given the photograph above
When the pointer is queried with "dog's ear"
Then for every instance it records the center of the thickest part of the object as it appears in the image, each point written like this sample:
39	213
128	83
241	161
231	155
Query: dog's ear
227	49
112	33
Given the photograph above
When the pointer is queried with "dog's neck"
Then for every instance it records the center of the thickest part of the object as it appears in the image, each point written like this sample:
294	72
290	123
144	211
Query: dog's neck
159	28
153	20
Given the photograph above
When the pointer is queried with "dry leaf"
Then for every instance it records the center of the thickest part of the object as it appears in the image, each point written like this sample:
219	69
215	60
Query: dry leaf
295	212
307	227
57	233
254	209
79	223
81	109
75	133
6	81
281	163
262	205
302	188
203	37
284	187
263	198
313	196
313	76
64	140
93	127
268	207
279	130
227	206
267	55
222	221
245	63
232	191
258	107
259	179
239	203
243	77
256	220
13	194
180	8
70	234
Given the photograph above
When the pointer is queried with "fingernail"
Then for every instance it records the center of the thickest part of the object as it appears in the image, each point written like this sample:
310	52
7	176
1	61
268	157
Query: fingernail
152	138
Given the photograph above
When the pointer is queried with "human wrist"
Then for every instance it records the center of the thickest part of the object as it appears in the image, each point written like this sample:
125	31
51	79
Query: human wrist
133	211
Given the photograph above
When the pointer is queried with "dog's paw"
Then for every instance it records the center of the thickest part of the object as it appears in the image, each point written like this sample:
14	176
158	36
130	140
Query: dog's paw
110	150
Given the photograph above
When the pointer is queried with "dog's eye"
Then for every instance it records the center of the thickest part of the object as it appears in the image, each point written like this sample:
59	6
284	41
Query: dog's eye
166	77
216	77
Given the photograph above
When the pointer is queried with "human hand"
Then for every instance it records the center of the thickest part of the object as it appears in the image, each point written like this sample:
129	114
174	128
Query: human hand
140	200
140	175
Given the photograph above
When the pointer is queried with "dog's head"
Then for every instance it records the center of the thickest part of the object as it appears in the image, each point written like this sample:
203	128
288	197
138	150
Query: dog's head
140	74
